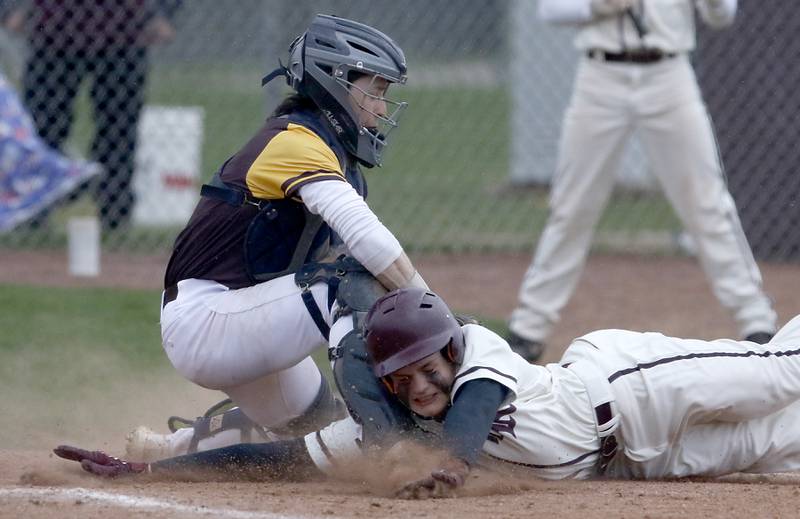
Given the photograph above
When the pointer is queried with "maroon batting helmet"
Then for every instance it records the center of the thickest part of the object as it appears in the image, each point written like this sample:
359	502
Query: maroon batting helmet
407	325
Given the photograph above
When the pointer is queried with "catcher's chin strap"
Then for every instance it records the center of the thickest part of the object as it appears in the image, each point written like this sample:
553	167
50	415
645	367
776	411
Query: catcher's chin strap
280	71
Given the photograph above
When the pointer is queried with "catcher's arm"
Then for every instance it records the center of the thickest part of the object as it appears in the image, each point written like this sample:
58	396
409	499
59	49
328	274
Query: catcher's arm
466	428
365	237
401	274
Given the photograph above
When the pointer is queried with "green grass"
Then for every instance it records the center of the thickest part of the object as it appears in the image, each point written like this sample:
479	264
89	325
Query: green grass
71	321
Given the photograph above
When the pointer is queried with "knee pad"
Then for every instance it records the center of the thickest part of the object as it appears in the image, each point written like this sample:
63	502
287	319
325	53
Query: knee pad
325	408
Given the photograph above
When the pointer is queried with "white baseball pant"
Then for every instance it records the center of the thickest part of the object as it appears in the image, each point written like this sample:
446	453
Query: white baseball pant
691	407
252	343
662	103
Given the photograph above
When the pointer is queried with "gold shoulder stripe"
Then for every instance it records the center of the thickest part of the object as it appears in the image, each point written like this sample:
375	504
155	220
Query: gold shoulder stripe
294	155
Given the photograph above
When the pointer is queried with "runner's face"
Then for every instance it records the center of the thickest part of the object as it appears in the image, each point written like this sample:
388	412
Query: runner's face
424	386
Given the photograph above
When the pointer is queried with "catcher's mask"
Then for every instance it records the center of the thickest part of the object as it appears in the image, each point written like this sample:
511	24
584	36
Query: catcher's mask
324	62
407	325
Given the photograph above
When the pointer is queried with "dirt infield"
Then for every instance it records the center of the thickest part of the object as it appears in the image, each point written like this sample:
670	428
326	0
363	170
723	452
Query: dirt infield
32	485
663	294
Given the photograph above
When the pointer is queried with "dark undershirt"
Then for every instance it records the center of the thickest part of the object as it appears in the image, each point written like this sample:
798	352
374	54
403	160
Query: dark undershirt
470	419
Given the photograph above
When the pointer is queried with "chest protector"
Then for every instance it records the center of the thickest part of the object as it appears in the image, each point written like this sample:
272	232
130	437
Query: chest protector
283	234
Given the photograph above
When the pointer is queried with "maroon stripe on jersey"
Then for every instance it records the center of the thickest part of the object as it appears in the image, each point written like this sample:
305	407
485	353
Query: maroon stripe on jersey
709	355
301	180
476	368
535	466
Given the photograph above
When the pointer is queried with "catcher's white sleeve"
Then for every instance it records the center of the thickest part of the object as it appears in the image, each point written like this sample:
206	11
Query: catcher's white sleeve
343	209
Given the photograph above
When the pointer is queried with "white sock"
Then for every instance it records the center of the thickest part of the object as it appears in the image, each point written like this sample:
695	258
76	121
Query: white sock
336	443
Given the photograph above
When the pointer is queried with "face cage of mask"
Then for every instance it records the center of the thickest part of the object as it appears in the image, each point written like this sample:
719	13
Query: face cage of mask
378	137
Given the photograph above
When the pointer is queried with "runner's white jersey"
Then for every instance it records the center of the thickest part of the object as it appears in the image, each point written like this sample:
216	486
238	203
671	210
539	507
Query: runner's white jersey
545	425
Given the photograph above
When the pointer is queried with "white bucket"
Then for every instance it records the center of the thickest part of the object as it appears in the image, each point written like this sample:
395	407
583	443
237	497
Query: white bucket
83	243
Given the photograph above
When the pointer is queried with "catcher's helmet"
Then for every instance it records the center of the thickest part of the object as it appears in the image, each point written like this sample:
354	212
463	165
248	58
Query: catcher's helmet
320	65
407	325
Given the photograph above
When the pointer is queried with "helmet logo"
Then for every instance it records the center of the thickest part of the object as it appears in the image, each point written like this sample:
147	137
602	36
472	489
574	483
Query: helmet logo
359	64
334	122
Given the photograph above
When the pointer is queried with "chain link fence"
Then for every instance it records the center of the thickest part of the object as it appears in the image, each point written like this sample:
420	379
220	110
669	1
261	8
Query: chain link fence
467	170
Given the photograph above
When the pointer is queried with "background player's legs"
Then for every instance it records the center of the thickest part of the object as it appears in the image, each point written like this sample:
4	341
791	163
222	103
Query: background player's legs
687	165
592	140
117	96
50	84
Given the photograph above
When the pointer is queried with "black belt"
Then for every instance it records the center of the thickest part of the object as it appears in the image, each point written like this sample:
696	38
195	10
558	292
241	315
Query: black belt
608	444
632	56
170	294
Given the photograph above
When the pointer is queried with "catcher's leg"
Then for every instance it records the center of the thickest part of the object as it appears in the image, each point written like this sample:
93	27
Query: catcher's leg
207	432
225	425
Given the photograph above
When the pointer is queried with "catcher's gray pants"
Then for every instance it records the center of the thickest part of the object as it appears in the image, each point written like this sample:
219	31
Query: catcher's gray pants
662	103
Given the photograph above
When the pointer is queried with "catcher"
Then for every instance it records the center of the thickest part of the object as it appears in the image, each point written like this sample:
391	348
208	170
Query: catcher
250	289
620	404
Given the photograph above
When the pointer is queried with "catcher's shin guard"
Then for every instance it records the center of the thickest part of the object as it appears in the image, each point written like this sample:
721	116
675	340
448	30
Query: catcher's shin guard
325	408
223	417
233	419
382	417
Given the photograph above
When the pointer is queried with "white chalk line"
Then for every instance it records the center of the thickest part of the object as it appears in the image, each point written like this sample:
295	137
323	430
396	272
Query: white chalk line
127	501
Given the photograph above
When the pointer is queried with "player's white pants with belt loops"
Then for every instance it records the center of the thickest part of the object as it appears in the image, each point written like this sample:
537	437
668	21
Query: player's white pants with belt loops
252	343
691	407
661	102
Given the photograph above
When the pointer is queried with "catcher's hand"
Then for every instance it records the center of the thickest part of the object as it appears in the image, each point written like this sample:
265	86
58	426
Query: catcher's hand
441	483
100	463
